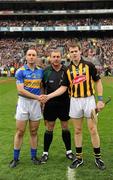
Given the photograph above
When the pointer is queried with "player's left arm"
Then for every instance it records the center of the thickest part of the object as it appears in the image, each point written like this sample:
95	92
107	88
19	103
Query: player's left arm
99	87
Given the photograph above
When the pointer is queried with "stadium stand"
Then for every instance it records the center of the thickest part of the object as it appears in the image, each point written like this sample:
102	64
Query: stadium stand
49	24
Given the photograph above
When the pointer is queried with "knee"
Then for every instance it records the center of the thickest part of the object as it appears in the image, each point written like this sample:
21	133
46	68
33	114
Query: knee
50	127
78	131
93	131
33	132
20	133
64	126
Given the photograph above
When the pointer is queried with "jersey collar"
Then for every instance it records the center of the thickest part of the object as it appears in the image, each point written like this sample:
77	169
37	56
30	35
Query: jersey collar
27	67
81	60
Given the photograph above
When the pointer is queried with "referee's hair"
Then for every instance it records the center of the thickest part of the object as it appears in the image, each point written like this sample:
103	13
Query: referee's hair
56	50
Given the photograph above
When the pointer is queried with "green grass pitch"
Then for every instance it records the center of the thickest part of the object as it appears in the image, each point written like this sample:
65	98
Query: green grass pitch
57	165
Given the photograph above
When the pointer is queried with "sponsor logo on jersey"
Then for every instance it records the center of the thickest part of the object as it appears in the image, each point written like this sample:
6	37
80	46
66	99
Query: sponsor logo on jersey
79	79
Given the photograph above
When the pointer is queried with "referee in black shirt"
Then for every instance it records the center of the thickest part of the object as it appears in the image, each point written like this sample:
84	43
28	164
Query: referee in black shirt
57	107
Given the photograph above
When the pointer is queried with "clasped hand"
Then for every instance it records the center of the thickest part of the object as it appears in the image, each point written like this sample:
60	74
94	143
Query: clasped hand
43	98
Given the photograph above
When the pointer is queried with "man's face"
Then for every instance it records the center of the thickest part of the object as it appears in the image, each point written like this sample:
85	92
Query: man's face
31	56
74	53
55	58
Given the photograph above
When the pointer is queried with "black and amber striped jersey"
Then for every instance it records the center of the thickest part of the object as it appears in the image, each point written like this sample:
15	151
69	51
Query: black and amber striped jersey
81	78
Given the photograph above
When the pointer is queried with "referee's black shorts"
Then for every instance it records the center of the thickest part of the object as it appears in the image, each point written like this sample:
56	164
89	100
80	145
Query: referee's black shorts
56	109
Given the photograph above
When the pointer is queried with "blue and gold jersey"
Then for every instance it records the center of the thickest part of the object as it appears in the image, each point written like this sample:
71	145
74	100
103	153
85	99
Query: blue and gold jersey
30	78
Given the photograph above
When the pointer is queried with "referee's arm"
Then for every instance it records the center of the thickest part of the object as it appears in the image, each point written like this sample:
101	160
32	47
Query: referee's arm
58	92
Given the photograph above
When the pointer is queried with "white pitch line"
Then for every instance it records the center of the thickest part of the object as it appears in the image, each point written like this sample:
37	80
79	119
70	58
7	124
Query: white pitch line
71	174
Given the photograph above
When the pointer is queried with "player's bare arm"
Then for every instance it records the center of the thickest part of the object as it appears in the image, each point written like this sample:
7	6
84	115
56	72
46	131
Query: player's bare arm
22	91
100	103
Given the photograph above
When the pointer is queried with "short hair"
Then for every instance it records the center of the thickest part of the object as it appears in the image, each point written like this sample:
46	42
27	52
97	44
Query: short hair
55	51
31	48
73	45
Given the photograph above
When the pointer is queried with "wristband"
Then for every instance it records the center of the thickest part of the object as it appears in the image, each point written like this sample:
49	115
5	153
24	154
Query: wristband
100	98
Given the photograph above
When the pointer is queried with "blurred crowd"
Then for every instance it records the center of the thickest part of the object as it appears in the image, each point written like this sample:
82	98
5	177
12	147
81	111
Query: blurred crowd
63	22
12	54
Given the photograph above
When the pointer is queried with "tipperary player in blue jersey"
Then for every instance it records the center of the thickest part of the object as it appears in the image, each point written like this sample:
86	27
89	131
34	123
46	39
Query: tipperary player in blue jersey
29	84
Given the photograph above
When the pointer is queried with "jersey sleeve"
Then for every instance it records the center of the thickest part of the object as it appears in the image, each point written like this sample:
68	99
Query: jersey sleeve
94	73
65	81
46	74
19	76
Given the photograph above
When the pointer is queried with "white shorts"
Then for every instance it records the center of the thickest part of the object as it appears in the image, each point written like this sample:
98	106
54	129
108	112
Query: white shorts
82	107
28	109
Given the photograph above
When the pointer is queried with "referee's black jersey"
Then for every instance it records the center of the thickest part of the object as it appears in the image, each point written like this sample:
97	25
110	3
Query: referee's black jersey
81	78
52	80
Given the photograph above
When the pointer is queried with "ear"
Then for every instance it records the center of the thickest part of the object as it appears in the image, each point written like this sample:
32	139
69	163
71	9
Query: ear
80	52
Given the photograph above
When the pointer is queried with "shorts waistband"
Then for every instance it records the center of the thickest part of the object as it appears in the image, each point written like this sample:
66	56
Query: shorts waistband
20	95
